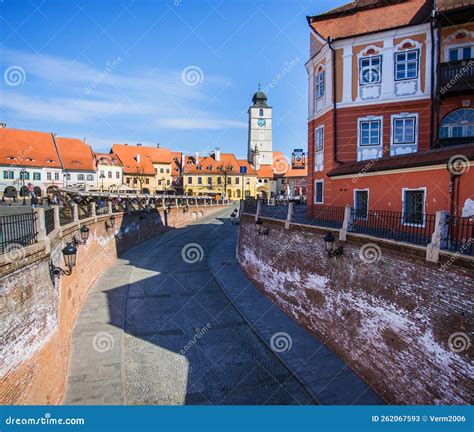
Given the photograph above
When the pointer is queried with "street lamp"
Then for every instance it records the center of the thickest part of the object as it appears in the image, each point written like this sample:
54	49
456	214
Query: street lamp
69	255
23	177
84	236
329	244
260	228
102	176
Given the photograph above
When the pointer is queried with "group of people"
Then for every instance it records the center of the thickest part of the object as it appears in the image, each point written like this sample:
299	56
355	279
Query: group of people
51	198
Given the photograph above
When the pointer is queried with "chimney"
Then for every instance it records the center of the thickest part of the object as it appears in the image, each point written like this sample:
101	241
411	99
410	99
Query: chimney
217	154
137	158
197	158
139	144
158	145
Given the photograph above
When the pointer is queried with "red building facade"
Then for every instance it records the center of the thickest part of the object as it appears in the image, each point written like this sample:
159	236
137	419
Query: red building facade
391	108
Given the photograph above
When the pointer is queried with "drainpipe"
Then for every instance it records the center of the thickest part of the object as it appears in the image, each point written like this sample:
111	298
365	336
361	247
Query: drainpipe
334	119
433	91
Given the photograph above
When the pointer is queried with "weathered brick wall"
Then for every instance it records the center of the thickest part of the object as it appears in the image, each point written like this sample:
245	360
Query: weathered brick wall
37	316
390	320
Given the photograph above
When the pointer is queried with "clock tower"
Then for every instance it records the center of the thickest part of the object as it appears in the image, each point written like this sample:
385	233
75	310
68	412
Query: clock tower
260	147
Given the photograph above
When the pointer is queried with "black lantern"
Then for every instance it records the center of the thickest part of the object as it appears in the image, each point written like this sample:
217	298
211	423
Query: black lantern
84	236
111	223
69	255
260	228
329	244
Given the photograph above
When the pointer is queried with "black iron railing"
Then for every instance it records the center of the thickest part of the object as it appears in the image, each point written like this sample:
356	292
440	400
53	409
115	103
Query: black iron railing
324	216
455	76
460	235
250	205
451	142
414	228
49	220
66	215
17	231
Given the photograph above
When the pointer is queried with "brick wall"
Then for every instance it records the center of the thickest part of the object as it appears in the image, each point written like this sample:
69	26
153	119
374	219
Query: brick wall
390	320
37	316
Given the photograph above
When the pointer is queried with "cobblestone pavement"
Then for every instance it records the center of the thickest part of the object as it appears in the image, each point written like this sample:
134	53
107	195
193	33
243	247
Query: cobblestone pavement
156	328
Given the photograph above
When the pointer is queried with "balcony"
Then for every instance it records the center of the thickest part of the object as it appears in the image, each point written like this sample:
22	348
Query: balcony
456	77
452	142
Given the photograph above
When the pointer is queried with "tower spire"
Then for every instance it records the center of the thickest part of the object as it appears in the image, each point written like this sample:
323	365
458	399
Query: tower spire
259	87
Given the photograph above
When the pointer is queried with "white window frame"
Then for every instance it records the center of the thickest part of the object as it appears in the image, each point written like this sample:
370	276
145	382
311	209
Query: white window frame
319	88
410	189
322	192
363	68
458	47
379	120
355	202
404	116
406	61
317	130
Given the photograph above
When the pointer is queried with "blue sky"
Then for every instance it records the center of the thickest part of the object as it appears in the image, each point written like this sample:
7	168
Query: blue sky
176	72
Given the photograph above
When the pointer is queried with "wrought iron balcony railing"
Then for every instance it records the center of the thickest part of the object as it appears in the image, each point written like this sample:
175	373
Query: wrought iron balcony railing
456	76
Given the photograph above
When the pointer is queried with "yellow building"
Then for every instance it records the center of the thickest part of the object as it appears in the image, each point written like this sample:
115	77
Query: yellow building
218	175
109	172
146	169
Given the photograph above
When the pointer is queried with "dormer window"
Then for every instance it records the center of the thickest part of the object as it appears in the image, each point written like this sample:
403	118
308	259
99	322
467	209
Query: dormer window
76	163
51	161
199	167
229	168
209	167
11	157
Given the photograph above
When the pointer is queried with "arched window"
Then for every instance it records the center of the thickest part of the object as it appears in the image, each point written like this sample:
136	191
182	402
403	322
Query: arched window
459	123
260	112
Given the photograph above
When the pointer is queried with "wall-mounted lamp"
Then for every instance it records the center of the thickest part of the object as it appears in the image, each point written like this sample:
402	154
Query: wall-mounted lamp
69	255
84	236
260	228
329	243
110	224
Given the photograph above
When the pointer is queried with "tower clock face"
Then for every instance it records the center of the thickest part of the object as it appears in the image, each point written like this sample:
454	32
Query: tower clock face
261	122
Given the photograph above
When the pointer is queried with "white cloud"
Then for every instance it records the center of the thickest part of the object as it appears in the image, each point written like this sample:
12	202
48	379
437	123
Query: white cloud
59	90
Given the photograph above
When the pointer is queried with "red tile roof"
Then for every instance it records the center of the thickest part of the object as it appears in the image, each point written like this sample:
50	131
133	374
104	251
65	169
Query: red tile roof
246	163
368	16
75	154
176	164
433	157
27	148
140	159
209	165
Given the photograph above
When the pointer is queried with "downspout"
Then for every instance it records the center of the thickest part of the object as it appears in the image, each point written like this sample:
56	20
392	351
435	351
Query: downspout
334	118
433	88
438	61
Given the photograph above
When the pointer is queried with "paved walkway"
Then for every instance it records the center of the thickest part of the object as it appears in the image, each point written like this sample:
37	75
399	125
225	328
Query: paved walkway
156	328
174	321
